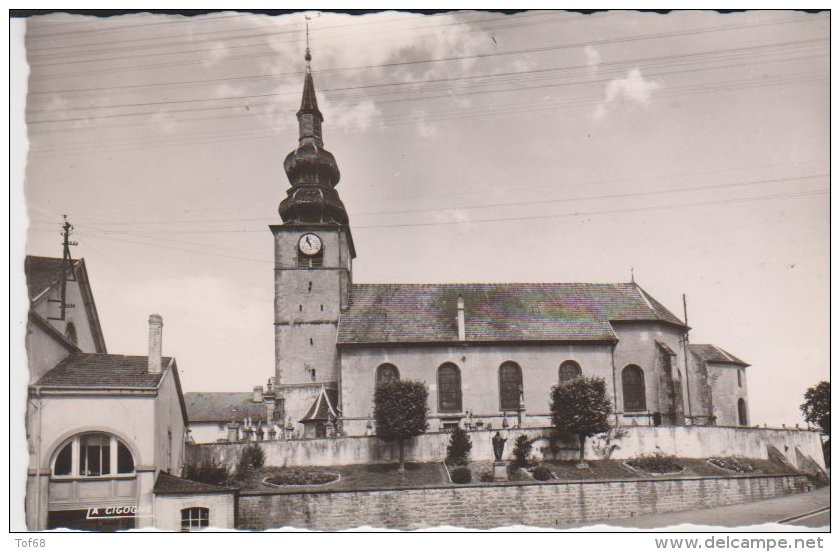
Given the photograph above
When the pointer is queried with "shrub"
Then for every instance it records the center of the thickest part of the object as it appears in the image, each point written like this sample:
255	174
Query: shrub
521	451
541	473
461	474
458	449
514	473
733	463
252	458
486	477
211	472
657	462
297	476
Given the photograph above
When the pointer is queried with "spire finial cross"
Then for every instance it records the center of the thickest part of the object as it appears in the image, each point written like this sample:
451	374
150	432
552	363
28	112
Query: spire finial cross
632	276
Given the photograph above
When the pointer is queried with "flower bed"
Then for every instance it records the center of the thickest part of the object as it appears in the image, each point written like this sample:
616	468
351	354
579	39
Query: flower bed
297	476
732	463
656	464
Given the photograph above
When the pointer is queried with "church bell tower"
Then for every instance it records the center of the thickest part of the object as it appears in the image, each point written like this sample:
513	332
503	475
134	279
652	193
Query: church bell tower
313	256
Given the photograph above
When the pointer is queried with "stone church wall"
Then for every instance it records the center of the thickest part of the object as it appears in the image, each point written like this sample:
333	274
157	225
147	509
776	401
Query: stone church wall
684	441
548	505
479	366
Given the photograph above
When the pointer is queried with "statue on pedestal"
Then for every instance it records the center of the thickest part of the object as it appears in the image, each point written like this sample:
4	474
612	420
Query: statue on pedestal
498	446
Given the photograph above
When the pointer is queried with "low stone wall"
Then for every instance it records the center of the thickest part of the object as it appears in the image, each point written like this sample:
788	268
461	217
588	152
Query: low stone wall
684	441
547	505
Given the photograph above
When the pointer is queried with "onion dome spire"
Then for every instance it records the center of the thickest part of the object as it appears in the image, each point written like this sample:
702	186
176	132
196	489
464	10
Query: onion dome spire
312	170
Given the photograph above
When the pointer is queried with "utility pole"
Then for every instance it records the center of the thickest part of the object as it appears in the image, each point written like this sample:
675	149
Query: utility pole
685	356
67	272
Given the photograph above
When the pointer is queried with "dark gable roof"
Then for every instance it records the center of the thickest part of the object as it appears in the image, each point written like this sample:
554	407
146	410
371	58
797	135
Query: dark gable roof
171	484
713	353
42	273
219	407
95	370
418	313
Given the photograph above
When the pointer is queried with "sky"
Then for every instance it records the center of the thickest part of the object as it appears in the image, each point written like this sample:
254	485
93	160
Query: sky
690	150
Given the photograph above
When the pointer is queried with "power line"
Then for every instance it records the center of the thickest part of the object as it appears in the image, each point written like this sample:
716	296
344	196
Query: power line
464	79
643	36
491	205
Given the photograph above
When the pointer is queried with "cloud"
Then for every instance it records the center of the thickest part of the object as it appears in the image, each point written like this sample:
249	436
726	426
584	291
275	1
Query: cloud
356	117
593	58
633	88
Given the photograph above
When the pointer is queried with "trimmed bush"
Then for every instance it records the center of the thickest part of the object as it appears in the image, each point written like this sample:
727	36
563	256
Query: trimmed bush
521	451
211	472
458	449
541	473
657	462
461	474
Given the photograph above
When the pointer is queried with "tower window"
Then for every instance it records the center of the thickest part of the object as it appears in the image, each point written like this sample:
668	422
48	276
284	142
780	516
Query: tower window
739	376
313	374
311	261
300	308
310	287
311	342
322	308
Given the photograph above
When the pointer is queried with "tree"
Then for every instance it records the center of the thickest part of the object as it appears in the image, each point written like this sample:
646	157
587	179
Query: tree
817	406
459	447
400	412
522	451
580	407
817	410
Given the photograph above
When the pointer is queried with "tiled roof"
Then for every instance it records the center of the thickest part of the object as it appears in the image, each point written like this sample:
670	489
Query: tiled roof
322	408
102	370
411	313
41	273
171	484
713	353
223	407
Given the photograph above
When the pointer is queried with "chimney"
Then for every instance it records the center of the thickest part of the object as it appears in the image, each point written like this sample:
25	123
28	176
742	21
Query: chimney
155	343
258	391
462	330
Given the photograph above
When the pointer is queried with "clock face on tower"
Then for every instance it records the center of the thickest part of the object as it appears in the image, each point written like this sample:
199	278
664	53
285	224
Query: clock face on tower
309	244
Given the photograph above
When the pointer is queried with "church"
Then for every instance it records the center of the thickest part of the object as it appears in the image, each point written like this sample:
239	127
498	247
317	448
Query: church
489	353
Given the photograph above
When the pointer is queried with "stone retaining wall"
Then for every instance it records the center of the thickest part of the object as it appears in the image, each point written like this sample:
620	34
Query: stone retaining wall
684	441
547	505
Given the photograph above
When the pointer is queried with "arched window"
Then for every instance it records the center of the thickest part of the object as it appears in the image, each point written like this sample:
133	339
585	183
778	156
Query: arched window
742	412
387	372
449	388
70	333
510	386
93	455
569	370
195	518
633	386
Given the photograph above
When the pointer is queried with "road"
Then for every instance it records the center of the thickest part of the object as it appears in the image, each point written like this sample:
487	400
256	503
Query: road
799	512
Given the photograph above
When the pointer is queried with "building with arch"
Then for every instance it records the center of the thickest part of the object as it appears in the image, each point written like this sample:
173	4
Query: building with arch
106	432
486	351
